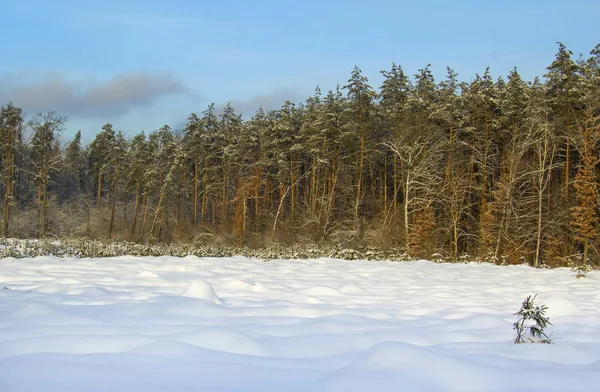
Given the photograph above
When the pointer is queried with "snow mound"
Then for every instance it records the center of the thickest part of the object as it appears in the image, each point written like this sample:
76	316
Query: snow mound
350	289
558	307
475	321
148	274
223	339
425	367
45	314
236	284
48	289
37	310
176	268
90	292
323	291
260	288
68	281
201	289
314	300
168	349
398	356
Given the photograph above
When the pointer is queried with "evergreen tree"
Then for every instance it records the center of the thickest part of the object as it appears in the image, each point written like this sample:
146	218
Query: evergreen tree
360	113
584	213
395	92
138	158
481	125
11	133
74	167
45	157
99	156
562	82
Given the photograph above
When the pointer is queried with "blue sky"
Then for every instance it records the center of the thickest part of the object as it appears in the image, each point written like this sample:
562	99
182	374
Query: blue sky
142	64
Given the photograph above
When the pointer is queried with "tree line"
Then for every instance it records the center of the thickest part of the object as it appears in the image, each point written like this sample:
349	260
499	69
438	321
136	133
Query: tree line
503	169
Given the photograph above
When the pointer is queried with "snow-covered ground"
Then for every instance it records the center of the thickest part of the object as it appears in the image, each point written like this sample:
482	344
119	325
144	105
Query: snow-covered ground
236	324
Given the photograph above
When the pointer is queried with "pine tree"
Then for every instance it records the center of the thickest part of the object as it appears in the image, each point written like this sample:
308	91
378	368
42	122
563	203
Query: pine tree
584	215
360	111
99	156
395	92
118	164
448	113
515	141
74	167
11	133
481	120
46	128
138	159
194	145
213	164
326	144
544	162
562	81
585	220
237	160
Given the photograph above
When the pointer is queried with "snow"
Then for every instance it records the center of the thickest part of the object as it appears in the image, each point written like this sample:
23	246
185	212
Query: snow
201	289
239	324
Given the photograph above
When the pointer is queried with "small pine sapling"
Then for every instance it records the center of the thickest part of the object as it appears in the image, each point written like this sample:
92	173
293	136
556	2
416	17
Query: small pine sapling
532	322
582	270
580	266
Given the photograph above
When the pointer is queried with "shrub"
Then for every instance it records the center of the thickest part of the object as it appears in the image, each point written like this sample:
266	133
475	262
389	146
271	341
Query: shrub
532	322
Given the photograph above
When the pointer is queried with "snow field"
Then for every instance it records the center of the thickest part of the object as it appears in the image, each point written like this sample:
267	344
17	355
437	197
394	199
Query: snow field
238	324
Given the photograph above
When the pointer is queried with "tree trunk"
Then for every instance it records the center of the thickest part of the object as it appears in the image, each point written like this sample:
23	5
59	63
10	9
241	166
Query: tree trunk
145	202
292	182
360	177
501	232
39	198
538	242
88	214
258	176
455	239
395	186
135	209
406	202
450	154
114	202
39	202
9	182
195	218
204	194
7	207
385	176
313	186
99	187
567	160
44	209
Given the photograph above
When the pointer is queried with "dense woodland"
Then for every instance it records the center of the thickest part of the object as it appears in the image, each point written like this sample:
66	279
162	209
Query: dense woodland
501	169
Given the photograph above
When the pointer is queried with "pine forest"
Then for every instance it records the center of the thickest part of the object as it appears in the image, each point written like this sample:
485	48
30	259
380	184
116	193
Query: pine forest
501	169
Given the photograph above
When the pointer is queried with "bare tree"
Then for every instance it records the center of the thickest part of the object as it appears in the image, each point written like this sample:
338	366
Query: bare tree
419	159
456	199
505	198
544	150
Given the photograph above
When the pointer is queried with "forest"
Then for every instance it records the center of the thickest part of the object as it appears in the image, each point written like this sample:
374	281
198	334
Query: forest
502	169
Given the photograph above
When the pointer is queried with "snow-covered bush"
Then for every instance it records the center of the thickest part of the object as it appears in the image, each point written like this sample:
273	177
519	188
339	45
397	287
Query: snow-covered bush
437	258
